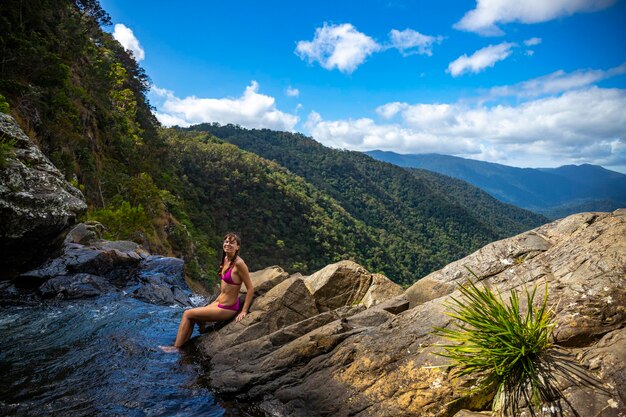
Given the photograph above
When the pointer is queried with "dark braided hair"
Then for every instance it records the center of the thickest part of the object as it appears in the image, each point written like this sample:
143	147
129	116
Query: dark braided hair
223	260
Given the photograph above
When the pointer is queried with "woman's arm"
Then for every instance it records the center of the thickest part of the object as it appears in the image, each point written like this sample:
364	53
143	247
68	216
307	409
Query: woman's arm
242	271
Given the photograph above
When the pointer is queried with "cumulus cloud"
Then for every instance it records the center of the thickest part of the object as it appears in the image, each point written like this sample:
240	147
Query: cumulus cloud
251	110
557	82
481	59
338	46
127	38
365	134
584	125
410	42
292	92
389	110
484	19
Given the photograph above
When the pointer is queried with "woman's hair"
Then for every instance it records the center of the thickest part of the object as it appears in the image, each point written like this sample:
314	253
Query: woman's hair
229	235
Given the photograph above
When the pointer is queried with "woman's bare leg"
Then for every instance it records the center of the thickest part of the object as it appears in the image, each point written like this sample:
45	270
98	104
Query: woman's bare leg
209	313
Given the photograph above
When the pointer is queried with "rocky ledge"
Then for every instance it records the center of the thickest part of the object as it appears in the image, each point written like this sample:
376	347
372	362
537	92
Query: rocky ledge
344	342
90	266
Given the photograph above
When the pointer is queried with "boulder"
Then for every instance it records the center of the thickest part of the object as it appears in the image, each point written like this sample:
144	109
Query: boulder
163	270
287	303
118	267
162	294
162	281
381	289
37	204
339	284
285	328
266	279
75	286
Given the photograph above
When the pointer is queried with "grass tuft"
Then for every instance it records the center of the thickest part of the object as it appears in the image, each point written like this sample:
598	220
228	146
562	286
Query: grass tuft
508	351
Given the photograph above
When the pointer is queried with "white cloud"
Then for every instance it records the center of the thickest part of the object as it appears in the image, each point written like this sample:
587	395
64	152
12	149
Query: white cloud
251	110
557	82
587	125
389	110
338	46
292	92
484	19
532	41
127	38
410	42
481	59
364	134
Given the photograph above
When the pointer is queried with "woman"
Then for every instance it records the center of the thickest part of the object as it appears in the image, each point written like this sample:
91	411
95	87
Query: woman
233	272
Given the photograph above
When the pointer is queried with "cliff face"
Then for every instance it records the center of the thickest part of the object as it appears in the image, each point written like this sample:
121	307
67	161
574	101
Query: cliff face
310	345
37	205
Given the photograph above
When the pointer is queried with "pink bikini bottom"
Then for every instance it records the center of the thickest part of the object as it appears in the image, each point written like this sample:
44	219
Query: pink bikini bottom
234	307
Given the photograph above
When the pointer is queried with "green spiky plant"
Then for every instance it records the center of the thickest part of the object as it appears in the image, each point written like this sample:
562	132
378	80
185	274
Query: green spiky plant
502	348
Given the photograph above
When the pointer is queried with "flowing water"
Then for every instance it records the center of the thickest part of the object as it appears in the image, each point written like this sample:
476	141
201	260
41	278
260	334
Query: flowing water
100	357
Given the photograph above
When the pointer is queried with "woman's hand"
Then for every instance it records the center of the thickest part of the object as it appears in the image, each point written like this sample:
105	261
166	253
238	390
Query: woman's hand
240	316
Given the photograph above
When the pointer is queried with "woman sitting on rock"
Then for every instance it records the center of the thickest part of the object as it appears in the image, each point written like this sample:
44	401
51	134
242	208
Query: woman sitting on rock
233	272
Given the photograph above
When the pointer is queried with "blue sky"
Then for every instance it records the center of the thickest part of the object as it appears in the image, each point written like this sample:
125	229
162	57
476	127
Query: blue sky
529	83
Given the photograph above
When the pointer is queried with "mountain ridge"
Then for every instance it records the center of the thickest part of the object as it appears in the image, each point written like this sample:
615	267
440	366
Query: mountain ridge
554	192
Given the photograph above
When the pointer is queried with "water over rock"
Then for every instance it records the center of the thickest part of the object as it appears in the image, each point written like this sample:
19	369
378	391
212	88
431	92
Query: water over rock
308	350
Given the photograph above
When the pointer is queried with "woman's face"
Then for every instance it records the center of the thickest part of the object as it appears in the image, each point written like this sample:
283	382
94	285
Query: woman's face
230	245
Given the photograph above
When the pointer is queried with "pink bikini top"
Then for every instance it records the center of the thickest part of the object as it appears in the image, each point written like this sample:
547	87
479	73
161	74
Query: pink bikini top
227	277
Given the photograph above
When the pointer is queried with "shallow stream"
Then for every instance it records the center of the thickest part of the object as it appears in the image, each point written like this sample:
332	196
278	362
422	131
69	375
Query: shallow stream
100	356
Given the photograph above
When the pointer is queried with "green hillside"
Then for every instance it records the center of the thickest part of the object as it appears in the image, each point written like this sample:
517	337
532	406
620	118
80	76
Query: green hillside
282	218
422	220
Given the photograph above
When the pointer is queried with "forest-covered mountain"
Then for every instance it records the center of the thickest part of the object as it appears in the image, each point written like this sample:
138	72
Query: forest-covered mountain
82	98
554	192
419	218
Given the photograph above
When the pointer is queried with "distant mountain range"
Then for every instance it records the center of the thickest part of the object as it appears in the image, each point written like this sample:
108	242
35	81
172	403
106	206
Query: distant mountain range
553	192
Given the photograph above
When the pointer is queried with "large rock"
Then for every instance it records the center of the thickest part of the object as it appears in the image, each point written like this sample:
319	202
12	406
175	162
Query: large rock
294	323
80	285
357	361
287	303
380	290
162	281
266	279
108	266
37	205
117	266
339	284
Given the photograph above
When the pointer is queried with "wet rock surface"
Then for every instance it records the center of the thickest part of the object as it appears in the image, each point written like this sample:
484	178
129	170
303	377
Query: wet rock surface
305	350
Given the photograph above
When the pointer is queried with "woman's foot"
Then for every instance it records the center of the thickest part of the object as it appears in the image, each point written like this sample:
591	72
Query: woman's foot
169	349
